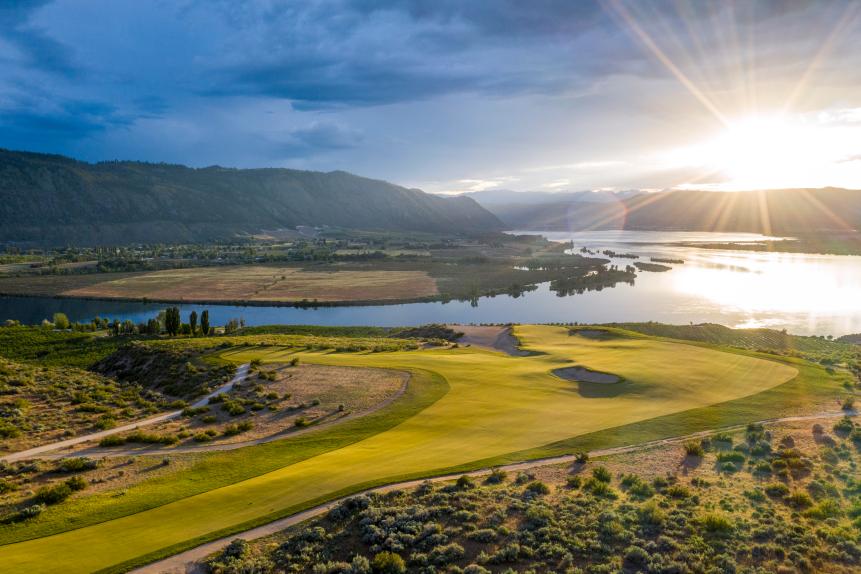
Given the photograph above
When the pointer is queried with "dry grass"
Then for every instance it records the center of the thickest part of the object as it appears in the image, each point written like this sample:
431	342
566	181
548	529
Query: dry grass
314	393
263	283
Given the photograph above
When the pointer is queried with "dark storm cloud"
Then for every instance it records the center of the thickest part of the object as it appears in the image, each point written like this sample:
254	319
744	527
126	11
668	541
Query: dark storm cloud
40	51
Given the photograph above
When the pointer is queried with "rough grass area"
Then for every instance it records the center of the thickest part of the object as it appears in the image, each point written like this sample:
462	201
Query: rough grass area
789	504
263	283
171	368
497	405
272	402
39	405
769	340
55	348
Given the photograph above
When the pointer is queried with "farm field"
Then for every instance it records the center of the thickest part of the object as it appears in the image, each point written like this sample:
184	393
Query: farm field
263	283
497	408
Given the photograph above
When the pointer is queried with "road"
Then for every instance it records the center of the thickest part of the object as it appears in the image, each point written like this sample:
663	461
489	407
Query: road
241	373
188	562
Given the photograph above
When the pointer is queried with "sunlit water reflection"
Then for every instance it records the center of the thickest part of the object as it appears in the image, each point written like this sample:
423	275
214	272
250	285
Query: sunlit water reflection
805	294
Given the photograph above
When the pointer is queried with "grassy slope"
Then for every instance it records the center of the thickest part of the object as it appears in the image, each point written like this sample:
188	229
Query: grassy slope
55	348
518	407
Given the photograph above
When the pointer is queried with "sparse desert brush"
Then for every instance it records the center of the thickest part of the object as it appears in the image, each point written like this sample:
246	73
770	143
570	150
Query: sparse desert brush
694	448
601	474
716	524
496	476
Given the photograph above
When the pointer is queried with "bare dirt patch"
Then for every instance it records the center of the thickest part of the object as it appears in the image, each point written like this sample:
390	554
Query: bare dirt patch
584	375
496	337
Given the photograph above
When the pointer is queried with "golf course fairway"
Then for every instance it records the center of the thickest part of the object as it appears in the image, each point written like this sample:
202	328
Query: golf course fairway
496	404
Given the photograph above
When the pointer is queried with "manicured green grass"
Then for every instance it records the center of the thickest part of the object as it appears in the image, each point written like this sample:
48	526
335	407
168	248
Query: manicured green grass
497	405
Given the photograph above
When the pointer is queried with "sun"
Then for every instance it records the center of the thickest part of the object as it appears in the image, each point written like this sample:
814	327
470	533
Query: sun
773	151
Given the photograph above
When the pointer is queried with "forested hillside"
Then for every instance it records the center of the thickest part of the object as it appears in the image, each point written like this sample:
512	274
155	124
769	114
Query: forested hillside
48	199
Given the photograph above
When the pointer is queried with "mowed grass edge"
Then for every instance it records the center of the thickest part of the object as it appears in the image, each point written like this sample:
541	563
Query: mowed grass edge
812	387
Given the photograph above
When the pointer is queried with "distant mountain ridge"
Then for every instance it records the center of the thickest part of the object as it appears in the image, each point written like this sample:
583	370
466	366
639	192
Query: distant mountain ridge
768	212
55	200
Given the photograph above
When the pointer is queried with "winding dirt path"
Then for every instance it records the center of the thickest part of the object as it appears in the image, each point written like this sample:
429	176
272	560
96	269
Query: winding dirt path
37	452
188	562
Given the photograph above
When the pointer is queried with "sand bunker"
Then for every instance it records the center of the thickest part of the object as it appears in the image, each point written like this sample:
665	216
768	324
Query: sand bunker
584	375
495	337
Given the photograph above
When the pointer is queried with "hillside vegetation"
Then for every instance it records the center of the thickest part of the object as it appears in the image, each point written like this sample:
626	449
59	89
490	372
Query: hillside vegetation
788	504
53	200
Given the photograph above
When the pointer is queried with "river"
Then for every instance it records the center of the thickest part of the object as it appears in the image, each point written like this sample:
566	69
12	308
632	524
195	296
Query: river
805	294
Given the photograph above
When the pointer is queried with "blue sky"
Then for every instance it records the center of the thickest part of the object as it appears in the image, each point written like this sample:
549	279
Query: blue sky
445	95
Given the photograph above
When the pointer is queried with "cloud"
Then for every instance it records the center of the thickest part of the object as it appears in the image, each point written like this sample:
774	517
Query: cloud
39	50
42	123
318	137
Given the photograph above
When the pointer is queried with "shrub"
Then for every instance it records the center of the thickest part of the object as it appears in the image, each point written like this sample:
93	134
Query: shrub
53	494
76	464
112	440
388	563
194	411
828	508
716	524
27	513
6	486
235	429
799	499
582	457
844	426
496	476
777	489
848	404
601	474
723	439
202	437
574	482
233	408
693	448
301	422
8	430
733	456
677	491
76	483
636	556
538	487
465	482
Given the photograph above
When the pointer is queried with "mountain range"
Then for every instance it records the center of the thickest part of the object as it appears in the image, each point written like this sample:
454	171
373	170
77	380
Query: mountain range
783	211
55	200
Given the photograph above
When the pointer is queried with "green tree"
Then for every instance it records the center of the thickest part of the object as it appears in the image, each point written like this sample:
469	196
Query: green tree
204	322
172	321
192	322
61	321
